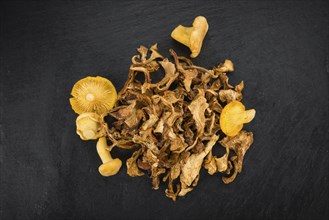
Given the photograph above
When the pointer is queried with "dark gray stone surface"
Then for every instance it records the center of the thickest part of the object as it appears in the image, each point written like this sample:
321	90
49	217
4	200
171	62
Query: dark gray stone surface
280	50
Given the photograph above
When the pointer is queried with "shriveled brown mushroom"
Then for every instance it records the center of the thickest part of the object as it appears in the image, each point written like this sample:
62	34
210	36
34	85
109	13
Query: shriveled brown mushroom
174	123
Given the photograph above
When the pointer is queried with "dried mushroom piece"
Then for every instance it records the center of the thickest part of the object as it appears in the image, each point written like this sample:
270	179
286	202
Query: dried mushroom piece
226	67
222	163
167	80
239	144
229	95
198	107
132	168
175	123
191	169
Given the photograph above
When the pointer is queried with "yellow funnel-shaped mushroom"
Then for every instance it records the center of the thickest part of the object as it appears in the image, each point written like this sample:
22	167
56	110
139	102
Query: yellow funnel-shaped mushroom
233	116
93	94
192	37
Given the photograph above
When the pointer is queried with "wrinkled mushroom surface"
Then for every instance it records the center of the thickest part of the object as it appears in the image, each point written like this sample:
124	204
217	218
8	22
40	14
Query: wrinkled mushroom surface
174	124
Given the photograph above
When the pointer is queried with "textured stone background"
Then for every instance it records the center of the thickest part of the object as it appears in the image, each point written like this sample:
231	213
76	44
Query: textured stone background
280	50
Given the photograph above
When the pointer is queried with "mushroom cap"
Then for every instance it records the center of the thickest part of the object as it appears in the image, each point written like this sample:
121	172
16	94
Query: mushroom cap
93	94
233	116
227	66
88	125
110	168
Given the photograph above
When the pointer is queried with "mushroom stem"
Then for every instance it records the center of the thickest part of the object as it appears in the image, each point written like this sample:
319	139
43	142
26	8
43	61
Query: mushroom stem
101	150
110	166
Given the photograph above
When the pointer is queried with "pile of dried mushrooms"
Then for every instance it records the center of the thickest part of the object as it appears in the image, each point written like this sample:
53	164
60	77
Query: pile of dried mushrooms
175	123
